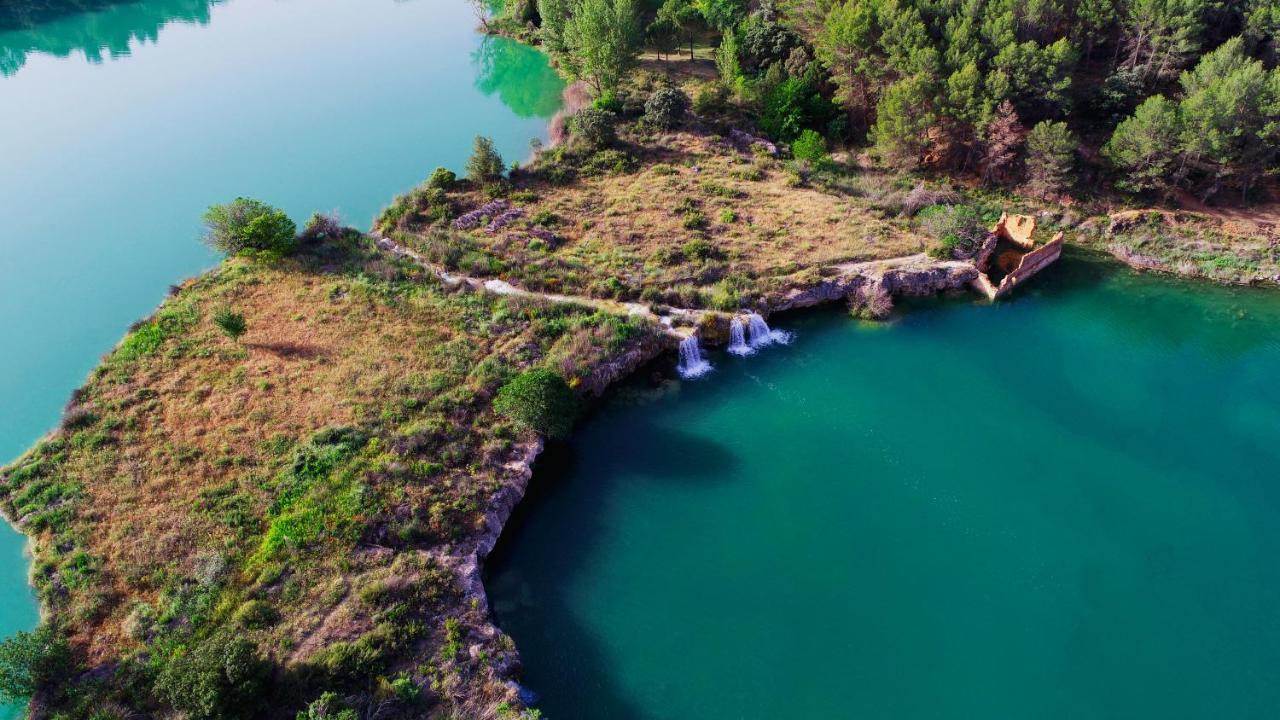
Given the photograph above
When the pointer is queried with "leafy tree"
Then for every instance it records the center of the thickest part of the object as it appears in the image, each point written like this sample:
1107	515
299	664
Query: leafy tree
764	41
1051	149
219	678
555	15
663	35
485	165
231	323
247	224
666	107
30	661
1144	147
727	61
538	400
604	39
683	15
722	14
791	106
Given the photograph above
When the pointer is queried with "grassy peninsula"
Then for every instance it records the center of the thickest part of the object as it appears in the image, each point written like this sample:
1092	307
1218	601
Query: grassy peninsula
271	499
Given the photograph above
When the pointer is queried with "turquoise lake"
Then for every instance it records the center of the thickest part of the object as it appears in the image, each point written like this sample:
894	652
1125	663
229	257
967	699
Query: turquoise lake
1063	506
119	127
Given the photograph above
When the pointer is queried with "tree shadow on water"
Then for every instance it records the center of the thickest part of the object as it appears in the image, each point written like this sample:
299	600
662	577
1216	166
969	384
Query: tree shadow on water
555	537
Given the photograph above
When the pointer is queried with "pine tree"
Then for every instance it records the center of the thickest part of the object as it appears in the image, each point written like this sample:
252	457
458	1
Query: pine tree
1051	149
1004	137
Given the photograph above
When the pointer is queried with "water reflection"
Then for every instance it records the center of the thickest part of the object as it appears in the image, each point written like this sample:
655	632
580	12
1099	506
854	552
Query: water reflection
520	75
110	30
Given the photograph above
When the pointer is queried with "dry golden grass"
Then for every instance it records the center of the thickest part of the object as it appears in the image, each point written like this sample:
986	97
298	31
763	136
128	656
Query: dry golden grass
178	464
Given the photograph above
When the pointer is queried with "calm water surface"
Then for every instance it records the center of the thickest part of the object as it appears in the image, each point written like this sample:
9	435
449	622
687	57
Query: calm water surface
118	128
1064	506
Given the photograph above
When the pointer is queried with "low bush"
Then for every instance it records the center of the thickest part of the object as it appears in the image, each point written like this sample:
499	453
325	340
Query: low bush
443	179
538	400
594	128
221	677
245	224
666	107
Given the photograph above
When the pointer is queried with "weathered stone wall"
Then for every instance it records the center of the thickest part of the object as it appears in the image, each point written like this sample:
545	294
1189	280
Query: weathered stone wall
1030	264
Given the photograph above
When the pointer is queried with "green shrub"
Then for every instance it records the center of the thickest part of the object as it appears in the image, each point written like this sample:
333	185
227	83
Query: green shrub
245	224
710	98
699	249
959	230
255	614
728	216
232	324
792	106
538	400
666	107
810	146
608	102
328	706
594	128
221	677
724	297
609	162
693	220
32	660
443	179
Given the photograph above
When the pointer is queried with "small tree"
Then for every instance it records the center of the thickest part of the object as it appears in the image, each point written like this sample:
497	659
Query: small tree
1144	147
538	400
666	107
231	323
810	147
485	165
663	35
604	39
245	224
1004	138
1051	149
31	660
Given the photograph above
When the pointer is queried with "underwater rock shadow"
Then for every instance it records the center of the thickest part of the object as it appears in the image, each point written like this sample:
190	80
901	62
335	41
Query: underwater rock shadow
659	454
565	662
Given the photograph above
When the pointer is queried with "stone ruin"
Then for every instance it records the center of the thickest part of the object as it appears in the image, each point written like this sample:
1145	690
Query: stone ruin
1010	255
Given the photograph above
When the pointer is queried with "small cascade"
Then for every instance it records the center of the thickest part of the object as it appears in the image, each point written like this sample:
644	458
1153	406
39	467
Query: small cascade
738	337
761	335
691	363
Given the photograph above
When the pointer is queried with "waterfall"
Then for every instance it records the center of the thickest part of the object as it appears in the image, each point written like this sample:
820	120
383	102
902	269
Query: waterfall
691	363
761	335
738	337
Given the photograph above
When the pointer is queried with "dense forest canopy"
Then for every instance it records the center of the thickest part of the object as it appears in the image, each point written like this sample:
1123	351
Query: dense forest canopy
1163	94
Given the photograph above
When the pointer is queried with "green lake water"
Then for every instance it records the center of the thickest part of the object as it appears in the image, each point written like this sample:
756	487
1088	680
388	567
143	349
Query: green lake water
1063	506
119	127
